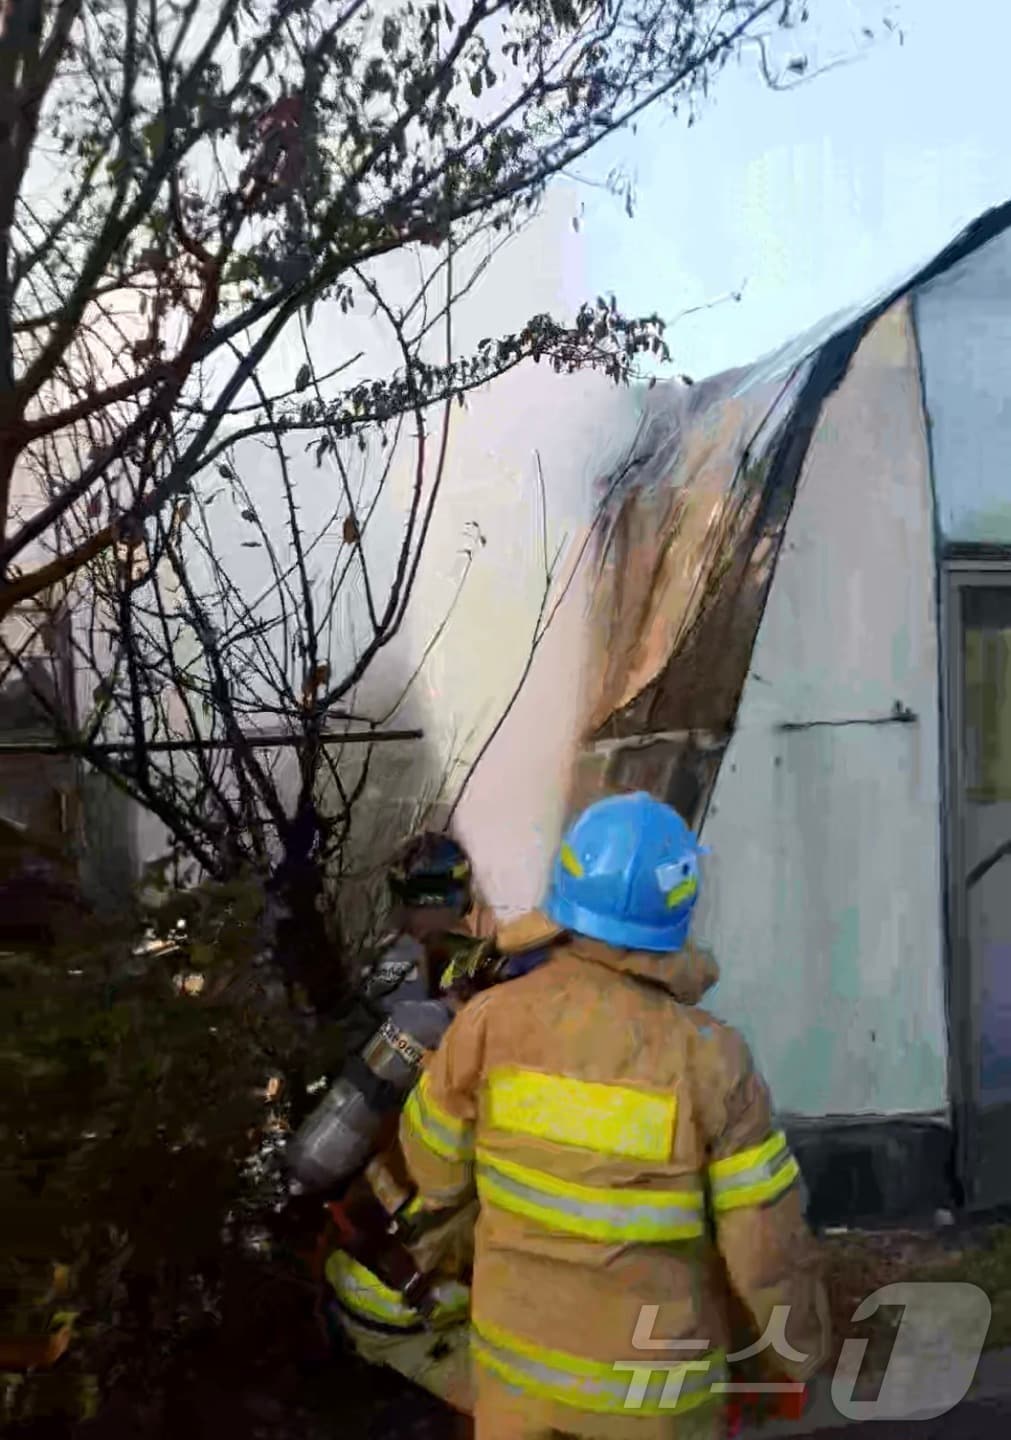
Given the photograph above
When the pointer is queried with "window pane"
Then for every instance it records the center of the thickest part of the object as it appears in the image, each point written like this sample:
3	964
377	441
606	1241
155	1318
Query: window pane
987	650
986	744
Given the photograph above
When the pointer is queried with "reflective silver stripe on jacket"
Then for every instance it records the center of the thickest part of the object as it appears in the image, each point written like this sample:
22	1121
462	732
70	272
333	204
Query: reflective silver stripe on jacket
595	1213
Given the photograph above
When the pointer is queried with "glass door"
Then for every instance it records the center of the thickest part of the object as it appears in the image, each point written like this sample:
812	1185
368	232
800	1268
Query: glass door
980	873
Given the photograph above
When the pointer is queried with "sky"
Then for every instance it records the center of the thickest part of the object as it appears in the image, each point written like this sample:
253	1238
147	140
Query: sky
811	200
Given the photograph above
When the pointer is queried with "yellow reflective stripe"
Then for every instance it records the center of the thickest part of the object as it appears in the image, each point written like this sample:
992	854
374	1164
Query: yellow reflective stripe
682	892
359	1290
595	1213
570	861
746	1159
363	1293
608	1119
754	1176
452	1301
445	1136
589	1384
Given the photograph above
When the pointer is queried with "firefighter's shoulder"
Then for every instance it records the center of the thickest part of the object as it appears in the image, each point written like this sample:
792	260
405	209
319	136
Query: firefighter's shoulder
719	1044
532	931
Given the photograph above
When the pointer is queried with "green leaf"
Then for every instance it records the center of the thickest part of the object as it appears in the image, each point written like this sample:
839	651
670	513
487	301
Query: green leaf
303	377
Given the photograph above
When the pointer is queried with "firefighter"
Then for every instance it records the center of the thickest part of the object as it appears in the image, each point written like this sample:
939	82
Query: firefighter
633	1189
394	1274
438	920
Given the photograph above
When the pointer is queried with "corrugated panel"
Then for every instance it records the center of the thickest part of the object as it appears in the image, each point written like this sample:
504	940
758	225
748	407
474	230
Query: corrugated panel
823	893
964	324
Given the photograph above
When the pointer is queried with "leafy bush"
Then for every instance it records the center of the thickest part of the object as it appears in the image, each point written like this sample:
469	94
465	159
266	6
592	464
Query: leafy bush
141	1070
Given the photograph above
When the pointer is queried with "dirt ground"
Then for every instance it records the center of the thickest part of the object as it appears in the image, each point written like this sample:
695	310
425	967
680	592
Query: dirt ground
267	1372
859	1262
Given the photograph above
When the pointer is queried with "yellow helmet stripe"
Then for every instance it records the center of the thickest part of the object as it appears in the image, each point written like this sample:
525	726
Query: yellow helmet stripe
685	891
570	861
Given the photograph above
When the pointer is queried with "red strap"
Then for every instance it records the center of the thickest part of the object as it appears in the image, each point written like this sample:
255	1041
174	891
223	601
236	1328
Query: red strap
342	1222
787	1405
792	1405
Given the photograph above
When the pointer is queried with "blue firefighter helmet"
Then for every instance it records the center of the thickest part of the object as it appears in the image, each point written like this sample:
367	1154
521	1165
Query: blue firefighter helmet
627	873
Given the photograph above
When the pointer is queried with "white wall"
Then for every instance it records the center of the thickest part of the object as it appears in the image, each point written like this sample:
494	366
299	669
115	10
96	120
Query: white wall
823	894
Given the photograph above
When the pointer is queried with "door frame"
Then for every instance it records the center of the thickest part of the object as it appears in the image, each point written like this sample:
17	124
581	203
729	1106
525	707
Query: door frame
959	572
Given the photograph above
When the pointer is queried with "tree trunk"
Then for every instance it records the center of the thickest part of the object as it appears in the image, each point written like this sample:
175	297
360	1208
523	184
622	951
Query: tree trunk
307	944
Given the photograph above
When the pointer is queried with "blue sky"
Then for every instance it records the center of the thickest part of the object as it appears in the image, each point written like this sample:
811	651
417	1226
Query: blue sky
813	199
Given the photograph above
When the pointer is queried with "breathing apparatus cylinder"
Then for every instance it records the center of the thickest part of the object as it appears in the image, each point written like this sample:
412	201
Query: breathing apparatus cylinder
340	1135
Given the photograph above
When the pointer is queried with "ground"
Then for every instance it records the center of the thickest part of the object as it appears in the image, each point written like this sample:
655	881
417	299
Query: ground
980	1421
266	1373
860	1262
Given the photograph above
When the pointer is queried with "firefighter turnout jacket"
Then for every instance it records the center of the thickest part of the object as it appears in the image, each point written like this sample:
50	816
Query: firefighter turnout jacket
631	1183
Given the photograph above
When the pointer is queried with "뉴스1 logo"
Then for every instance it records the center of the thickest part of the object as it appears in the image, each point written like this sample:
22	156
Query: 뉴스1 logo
929	1371
402	1044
